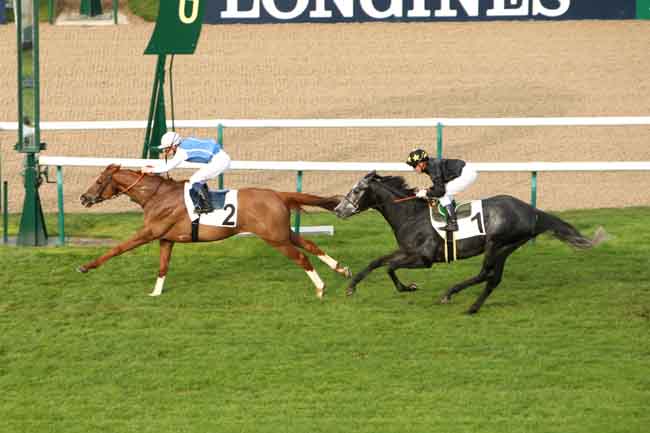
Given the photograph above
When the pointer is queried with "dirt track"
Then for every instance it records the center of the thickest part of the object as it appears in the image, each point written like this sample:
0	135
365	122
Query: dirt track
515	69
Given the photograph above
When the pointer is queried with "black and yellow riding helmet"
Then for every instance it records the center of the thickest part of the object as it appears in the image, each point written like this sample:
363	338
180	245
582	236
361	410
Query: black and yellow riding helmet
417	156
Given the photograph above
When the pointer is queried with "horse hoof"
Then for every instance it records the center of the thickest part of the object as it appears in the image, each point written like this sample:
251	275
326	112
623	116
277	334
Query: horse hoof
445	300
346	272
350	291
410	288
471	311
82	270
320	293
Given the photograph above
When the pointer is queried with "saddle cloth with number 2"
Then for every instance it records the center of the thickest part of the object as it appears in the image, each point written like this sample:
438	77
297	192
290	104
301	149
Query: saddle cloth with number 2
224	217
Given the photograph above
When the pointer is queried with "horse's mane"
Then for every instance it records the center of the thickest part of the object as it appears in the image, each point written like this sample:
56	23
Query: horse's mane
397	183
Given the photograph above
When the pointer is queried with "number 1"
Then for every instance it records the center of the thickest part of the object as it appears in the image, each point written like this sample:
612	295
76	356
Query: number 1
477	217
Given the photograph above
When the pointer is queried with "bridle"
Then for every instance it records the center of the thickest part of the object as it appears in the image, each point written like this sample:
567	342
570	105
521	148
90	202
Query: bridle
377	203
109	181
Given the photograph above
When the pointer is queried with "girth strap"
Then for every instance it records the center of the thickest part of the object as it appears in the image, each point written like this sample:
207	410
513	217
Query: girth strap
450	246
195	229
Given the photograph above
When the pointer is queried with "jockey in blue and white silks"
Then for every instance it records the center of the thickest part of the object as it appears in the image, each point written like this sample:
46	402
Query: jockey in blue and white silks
190	149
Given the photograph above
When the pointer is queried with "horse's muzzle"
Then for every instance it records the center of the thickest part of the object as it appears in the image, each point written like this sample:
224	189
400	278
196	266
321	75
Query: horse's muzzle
88	201
344	210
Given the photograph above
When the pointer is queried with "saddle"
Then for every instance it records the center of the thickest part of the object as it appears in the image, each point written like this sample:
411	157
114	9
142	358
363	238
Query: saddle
470	224
217	198
463	210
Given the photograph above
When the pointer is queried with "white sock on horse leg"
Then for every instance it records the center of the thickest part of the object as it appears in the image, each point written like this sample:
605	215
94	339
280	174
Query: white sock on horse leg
334	265
315	278
328	261
158	289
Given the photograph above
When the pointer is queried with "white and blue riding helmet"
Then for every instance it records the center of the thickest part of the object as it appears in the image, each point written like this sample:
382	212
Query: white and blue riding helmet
169	139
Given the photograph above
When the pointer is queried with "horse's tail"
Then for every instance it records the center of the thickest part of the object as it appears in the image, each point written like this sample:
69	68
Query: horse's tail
566	232
296	200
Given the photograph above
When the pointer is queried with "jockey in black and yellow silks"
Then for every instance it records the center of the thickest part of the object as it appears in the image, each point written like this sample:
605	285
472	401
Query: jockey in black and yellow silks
448	177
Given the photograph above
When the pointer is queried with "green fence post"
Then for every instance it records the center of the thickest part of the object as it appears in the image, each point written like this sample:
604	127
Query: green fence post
643	9
220	142
50	11
439	140
533	194
90	8
296	225
5	212
533	189
115	10
59	193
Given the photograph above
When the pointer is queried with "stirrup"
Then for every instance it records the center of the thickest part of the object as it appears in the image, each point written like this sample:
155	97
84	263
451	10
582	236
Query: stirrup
202	210
452	226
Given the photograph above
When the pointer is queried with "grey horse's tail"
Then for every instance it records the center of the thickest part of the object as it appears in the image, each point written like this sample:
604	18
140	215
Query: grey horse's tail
566	232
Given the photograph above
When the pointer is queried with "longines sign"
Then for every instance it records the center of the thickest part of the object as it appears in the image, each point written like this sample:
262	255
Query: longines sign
289	11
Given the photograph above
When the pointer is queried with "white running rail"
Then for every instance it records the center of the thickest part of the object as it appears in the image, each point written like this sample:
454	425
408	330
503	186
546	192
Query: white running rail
347	123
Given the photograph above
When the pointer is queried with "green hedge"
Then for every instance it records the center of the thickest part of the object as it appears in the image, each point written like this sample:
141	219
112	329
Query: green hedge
147	9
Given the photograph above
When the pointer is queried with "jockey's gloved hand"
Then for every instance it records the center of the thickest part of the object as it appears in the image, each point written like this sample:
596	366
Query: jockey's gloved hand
421	193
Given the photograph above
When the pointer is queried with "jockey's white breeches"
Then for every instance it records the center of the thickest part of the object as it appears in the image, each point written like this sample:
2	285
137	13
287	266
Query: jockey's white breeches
467	177
217	165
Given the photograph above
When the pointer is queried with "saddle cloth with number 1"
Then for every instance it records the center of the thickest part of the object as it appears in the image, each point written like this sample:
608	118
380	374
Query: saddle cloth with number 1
225	216
471	223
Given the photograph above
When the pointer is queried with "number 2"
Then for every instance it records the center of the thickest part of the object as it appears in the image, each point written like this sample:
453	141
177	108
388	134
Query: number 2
226	222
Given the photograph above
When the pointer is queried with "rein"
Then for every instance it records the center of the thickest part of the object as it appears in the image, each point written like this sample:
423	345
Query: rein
131	186
394	191
383	203
399	200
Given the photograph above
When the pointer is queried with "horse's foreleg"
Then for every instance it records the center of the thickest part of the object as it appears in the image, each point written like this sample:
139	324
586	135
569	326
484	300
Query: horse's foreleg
377	263
312	248
140	238
301	260
405	260
165	255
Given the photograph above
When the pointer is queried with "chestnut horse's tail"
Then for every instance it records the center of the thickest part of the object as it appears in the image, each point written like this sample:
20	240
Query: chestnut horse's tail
296	200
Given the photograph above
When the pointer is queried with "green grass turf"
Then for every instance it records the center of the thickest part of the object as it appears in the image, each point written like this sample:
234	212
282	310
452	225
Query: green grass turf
239	343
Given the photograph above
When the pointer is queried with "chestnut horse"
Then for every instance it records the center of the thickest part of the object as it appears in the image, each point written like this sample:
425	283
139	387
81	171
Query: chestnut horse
263	212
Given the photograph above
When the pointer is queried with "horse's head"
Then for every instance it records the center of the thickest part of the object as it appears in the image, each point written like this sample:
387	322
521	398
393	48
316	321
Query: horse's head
358	199
103	188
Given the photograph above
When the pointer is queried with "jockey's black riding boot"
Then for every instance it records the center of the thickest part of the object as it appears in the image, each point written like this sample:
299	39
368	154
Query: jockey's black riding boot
452	222
204	205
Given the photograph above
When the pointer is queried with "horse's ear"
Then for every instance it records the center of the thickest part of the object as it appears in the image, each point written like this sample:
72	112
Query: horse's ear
113	168
371	174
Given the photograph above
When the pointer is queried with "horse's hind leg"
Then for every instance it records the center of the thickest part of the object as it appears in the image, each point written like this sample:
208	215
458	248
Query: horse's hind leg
165	255
488	263
312	248
493	280
301	260
495	275
482	276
